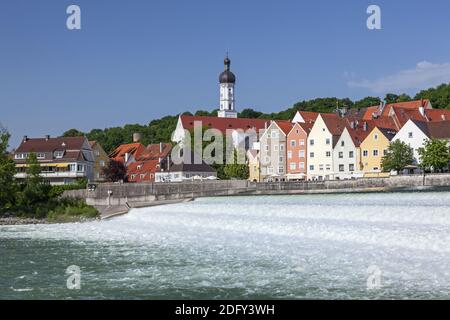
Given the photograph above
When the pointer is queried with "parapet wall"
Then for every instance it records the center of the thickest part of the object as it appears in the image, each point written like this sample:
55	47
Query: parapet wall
124	194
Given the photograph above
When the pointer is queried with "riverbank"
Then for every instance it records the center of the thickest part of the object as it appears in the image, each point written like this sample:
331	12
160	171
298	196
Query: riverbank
116	199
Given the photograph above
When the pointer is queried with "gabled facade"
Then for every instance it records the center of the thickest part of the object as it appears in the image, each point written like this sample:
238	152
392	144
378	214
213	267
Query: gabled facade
416	133
273	151
63	160
412	135
297	141
321	141
373	148
142	171
346	157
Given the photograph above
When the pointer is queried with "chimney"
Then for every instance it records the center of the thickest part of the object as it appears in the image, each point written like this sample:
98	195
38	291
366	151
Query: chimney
365	126
422	110
160	147
127	156
352	124
443	117
25	138
47	137
136	137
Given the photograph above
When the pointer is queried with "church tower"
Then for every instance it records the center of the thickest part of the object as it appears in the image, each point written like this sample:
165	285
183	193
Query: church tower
227	80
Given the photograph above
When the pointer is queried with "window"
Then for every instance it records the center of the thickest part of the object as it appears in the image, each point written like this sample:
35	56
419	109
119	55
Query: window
72	167
293	143
375	153
375	168
59	154
267	147
274	134
321	167
281	159
281	147
302	165
341	168
40	155
293	166
302	142
375	136
301	153
341	155
289	154
327	141
311	167
97	153
328	154
328	167
102	163
342	143
365	153
351	167
311	154
142	176
311	142
280	169
410	135
350	154
21	155
139	167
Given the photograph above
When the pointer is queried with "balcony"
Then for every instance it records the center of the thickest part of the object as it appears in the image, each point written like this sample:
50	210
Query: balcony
57	174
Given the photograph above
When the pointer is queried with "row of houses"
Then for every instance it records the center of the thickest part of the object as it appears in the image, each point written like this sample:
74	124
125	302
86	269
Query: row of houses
63	160
324	146
312	146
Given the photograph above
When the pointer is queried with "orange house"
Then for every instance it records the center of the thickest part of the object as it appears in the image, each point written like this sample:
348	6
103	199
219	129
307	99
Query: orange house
297	151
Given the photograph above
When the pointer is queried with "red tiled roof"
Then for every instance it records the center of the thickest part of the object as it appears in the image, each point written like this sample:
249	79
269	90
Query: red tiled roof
51	144
334	123
153	151
410	105
309	116
134	149
437	114
284	125
223	124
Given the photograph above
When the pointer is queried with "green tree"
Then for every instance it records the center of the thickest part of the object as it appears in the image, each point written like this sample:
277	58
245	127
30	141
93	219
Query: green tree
367	102
236	170
398	156
35	193
8	187
73	133
435	155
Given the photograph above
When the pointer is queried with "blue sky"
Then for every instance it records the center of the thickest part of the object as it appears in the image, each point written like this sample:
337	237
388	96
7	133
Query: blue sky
134	61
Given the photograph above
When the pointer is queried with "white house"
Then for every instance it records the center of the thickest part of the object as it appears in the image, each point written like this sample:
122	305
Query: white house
323	137
415	133
346	157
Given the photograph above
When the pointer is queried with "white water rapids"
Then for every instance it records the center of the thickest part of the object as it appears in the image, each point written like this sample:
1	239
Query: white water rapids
311	246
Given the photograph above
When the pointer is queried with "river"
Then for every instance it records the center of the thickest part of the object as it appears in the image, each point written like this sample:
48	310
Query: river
288	247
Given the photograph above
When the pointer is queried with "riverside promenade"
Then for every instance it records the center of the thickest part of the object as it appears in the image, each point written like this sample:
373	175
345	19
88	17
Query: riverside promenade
113	199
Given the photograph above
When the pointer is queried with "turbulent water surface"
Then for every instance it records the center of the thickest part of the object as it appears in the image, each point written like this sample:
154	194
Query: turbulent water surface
315	246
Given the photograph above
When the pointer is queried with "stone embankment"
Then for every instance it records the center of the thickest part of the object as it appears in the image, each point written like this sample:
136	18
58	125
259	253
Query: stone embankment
116	199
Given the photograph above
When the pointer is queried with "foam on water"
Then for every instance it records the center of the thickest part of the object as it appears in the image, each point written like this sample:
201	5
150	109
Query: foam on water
316	246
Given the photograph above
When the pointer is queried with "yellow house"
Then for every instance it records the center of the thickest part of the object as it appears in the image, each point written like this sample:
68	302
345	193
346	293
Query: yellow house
372	149
253	166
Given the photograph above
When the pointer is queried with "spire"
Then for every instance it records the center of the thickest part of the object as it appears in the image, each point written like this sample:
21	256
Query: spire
227	63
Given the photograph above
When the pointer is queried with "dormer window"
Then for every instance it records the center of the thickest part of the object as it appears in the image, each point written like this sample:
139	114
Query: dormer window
59	154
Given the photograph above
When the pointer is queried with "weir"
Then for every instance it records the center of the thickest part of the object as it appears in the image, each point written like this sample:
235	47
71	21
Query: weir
112	198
